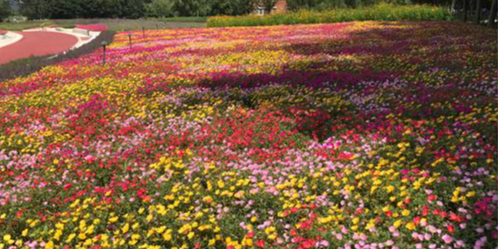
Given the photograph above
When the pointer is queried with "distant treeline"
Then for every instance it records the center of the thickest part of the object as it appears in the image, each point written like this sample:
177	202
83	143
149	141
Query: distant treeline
65	9
62	9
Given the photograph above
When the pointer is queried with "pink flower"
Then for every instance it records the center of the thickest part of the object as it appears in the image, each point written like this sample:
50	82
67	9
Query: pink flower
447	239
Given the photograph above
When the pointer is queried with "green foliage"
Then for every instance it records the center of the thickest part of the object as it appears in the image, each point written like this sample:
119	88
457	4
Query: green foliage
380	12
5	10
231	7
268	4
160	8
40	9
331	4
132	9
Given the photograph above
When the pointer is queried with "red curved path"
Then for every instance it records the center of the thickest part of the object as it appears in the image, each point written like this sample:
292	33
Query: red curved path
37	43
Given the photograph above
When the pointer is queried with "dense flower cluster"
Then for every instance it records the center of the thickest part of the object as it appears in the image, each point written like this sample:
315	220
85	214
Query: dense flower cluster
350	135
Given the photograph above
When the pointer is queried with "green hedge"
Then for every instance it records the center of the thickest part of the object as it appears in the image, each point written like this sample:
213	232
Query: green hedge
381	12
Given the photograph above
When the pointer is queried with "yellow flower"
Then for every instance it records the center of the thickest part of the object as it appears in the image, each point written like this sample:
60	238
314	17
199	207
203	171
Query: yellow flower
89	230
49	245
410	226
211	242
82	236
397	223
166	236
70	238
125	228
190	235
8	239
405	212
57	235
356	220
135	226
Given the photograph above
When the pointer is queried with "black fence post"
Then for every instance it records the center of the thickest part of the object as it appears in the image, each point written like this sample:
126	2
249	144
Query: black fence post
129	38
104	44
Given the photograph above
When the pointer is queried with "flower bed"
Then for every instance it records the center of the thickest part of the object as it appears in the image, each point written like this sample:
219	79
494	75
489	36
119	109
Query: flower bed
380	12
351	135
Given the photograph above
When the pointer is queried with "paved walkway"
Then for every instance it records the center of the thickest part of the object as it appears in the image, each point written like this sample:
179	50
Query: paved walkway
37	43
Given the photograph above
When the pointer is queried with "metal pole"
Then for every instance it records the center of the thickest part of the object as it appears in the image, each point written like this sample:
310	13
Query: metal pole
129	37
104	44
103	58
143	31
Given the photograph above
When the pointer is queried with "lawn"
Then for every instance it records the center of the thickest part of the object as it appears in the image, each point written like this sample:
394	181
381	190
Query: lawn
347	135
112	24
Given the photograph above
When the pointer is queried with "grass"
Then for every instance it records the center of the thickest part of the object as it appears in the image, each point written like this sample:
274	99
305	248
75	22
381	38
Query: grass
27	25
382	12
112	24
186	19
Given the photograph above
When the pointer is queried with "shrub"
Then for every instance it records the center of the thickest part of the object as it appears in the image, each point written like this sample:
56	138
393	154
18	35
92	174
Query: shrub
381	12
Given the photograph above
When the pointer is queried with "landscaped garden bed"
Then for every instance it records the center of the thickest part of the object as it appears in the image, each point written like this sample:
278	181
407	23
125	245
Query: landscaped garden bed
348	135
380	12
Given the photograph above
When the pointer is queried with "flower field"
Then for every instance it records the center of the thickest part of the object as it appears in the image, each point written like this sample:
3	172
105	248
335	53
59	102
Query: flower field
347	135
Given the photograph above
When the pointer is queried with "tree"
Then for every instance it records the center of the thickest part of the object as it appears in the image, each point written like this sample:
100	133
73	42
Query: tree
159	8
5	10
477	19
35	9
268	5
64	9
465	10
492	14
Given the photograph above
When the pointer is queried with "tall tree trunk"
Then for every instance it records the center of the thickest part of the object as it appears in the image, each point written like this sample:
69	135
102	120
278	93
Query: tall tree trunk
477	19
492	14
471	8
465	10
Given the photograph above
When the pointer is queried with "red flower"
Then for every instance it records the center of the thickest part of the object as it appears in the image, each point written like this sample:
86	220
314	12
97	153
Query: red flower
67	186
456	217
450	228
260	243
431	198
425	210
